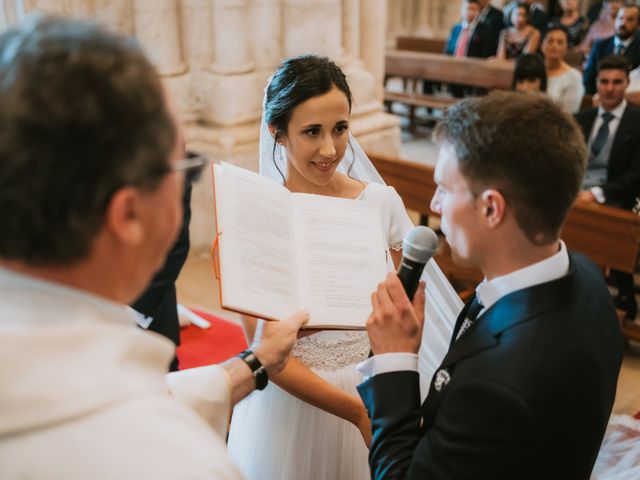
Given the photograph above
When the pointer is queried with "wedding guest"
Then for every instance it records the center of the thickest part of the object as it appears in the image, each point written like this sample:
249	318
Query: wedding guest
564	83
603	26
468	38
576	24
626	42
538	16
521	37
529	74
491	17
612	132
512	398
91	182
310	423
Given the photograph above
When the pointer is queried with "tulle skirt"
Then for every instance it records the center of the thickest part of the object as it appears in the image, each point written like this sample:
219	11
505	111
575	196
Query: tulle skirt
619	457
275	436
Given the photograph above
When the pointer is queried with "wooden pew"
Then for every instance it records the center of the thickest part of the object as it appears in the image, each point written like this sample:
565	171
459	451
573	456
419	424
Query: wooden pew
609	236
489	74
438	67
421	44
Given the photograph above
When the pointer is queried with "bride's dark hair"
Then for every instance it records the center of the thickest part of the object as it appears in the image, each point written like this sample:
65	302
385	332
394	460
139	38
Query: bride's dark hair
296	80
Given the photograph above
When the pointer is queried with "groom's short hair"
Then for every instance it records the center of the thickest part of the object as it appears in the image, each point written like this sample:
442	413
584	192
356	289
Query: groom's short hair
82	114
524	146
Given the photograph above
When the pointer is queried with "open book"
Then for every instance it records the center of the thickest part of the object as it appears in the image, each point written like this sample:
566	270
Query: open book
280	252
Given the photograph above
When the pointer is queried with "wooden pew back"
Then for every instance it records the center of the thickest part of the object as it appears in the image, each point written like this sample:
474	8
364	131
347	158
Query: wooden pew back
437	67
421	44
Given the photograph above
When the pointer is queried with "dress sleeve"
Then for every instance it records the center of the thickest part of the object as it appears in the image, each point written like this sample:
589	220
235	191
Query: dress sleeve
573	92
398	221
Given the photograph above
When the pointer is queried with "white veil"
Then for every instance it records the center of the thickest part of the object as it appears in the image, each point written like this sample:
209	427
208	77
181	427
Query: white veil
443	303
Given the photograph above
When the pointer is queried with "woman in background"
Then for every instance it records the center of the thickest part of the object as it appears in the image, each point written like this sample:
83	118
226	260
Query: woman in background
529	75
564	83
576	24
519	39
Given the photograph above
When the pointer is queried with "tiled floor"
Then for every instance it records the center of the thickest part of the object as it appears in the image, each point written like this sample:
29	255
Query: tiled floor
197	287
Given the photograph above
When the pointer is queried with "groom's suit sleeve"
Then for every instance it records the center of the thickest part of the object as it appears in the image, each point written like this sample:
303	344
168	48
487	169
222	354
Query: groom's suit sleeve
393	403
482	430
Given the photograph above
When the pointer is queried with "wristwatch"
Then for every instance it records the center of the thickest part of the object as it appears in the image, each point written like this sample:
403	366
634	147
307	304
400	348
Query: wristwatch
259	372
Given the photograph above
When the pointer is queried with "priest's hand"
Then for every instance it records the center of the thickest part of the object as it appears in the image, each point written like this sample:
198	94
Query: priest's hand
273	340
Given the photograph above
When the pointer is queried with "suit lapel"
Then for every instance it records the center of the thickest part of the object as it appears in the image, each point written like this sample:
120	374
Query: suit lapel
620	138
511	310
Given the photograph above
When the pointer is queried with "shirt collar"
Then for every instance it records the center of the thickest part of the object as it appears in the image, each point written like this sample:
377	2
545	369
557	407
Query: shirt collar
617	41
552	268
471	25
616	112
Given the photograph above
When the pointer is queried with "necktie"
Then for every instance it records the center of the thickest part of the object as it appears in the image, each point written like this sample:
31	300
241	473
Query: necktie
471	317
620	49
463	40
601	137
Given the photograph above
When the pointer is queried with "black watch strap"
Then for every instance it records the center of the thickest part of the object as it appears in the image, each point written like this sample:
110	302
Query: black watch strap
259	372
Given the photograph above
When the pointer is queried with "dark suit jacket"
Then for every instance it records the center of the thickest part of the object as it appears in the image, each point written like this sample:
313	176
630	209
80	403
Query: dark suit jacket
601	48
531	388
494	24
623	172
159	299
479	44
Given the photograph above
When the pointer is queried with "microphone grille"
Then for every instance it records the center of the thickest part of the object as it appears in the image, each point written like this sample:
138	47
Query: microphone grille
420	244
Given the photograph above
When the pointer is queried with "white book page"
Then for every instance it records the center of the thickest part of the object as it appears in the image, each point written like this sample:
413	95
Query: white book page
257	255
341	257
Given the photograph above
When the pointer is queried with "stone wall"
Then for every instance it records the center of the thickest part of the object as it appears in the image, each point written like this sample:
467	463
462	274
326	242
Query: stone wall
216	56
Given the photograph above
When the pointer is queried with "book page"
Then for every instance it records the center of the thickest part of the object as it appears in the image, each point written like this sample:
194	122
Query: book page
256	248
342	258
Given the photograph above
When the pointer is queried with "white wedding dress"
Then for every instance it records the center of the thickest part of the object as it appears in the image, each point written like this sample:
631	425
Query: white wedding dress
275	436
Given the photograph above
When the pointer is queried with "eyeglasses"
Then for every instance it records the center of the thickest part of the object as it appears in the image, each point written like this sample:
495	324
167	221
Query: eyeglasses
192	166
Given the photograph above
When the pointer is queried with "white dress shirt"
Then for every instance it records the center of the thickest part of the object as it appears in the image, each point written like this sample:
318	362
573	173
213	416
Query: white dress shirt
488	292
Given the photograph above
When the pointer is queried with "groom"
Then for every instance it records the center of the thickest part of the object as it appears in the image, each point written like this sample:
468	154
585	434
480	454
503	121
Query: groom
527	386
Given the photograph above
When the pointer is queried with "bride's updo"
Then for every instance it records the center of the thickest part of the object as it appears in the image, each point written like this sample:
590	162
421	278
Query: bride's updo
296	80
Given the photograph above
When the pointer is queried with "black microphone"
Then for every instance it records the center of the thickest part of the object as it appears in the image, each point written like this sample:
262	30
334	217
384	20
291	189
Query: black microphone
418	246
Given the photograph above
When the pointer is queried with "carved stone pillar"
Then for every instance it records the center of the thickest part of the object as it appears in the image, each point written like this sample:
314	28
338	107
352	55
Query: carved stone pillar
351	27
372	42
157	26
313	27
118	14
265	22
230	43
197	33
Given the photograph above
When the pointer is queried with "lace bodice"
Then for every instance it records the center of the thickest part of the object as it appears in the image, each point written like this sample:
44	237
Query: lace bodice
332	350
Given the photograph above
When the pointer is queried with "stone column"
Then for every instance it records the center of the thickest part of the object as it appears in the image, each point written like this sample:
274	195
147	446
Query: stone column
265	25
372	24
157	27
230	43
351	27
197	33
118	14
313	27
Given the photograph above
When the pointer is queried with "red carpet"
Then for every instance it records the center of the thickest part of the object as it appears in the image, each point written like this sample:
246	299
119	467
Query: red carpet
200	347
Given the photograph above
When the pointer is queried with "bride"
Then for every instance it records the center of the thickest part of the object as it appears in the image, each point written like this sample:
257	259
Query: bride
309	423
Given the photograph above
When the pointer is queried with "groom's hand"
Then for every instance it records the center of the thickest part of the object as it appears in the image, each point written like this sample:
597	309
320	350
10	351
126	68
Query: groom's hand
273	340
395	325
